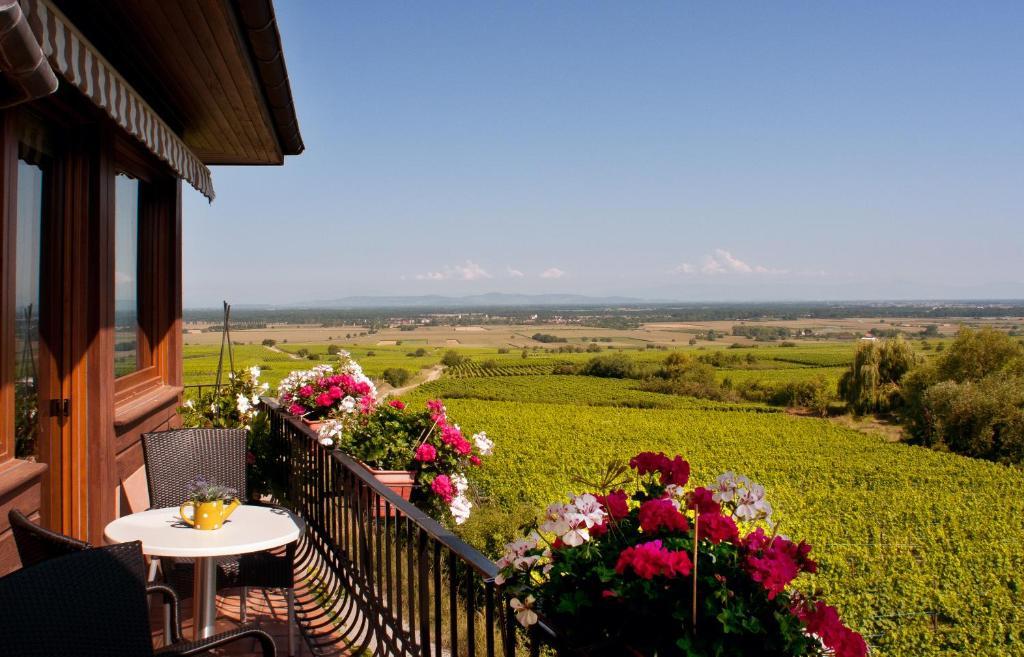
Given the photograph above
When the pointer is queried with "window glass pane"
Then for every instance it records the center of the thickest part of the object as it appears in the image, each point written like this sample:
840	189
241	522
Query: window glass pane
126	276
26	332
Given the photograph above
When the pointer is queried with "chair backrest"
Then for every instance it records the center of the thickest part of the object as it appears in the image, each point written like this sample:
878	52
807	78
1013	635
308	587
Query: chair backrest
36	544
175	458
88	604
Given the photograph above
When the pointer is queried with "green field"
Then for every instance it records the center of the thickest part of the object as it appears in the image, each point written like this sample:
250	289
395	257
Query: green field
922	551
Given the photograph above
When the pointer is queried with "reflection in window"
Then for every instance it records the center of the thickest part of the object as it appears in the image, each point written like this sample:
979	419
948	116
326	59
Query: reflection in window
126	271
26	332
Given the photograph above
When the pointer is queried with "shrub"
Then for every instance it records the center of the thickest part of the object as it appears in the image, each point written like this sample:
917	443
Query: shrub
547	337
564	368
396	376
984	419
610	366
333	350
970	398
452	358
268	342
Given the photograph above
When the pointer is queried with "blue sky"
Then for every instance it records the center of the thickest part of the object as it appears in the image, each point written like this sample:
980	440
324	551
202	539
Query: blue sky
740	151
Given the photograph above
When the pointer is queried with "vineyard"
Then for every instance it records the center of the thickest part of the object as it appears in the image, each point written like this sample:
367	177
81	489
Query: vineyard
922	551
579	390
918	575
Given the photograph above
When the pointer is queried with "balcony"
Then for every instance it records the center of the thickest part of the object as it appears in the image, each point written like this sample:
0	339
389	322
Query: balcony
375	575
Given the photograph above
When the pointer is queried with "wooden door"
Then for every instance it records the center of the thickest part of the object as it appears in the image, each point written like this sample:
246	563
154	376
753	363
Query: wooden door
36	336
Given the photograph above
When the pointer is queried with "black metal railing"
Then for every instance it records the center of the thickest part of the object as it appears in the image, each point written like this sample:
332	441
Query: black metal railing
380	577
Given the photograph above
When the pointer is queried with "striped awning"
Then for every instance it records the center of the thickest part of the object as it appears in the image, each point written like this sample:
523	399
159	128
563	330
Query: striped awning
77	61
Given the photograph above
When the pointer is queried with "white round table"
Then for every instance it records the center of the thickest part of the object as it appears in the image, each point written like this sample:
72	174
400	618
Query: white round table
164	534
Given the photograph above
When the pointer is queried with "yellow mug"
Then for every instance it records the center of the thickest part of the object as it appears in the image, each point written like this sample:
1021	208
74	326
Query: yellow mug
208	515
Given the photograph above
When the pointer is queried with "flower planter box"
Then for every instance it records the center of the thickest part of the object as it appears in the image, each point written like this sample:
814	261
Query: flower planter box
398	481
313	424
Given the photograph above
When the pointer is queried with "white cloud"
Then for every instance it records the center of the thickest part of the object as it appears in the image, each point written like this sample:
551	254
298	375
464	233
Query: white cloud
514	273
720	262
470	271
552	272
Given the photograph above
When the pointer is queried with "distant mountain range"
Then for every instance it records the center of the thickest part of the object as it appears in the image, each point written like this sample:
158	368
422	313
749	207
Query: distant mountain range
489	300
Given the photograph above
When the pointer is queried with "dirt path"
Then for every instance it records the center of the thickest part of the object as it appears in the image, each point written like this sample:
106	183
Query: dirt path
432	374
281	351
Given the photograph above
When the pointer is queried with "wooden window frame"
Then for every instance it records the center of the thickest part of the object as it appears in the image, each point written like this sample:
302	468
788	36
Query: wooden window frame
155	211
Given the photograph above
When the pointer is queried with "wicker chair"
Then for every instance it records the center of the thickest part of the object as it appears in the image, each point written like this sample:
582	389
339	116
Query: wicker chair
91	603
37	544
173	460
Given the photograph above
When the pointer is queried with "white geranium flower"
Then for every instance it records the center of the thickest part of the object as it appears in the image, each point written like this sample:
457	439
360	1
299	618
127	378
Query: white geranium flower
460	483
254	372
555	521
348	404
484	444
524	610
586	512
243	404
460	508
725	487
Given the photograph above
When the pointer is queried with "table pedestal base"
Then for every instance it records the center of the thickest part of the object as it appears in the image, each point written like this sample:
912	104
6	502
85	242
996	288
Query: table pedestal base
204	598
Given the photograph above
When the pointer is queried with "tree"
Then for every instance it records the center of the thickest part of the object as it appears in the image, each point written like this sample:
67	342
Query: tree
970	398
333	350
872	384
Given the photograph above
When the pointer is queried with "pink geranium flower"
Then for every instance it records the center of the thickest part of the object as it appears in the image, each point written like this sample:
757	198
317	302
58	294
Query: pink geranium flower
442	486
426	453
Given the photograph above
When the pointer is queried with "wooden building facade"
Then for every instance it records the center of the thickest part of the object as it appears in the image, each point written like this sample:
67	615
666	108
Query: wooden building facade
108	106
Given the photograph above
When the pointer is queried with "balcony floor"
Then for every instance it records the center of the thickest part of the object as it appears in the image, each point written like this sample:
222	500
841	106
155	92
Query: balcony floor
267	609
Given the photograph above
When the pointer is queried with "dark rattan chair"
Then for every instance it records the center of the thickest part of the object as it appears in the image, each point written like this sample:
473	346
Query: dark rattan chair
173	461
37	544
91	603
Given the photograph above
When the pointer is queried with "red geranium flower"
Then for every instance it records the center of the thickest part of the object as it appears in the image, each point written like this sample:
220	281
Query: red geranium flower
662	514
823	620
717	528
775	562
649	560
702	499
616	503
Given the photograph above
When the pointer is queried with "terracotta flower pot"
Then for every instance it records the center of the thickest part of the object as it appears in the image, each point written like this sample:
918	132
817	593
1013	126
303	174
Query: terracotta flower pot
399	481
313	424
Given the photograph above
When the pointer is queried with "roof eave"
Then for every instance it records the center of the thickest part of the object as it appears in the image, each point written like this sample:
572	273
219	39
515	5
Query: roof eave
258	25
